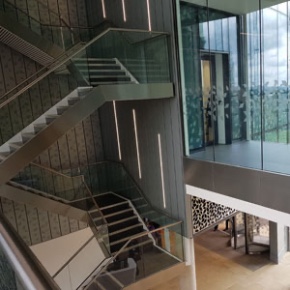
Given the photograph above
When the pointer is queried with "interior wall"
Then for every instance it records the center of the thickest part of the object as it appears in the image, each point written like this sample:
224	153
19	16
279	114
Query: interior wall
81	145
136	13
73	12
152	118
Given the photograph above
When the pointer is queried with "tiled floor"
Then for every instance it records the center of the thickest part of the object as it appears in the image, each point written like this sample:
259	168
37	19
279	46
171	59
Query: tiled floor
216	272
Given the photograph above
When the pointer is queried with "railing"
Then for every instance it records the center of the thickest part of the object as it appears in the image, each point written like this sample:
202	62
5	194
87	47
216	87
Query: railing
54	29
141	257
72	190
82	264
112	176
52	182
19	268
45	91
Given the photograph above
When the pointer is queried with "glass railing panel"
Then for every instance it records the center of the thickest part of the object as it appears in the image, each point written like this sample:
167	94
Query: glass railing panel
53	183
39	99
140	257
8	277
71	275
53	28
145	55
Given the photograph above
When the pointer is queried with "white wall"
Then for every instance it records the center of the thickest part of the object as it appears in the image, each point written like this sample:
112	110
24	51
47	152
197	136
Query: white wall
240	205
55	253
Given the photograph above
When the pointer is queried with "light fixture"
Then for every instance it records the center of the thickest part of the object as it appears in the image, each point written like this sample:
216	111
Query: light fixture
117	130
137	143
161	170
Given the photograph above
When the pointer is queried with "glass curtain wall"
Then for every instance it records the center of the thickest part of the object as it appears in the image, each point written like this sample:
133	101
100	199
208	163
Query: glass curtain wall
236	68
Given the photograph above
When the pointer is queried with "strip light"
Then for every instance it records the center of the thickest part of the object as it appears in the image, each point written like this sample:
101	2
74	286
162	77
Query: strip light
117	130
137	143
161	170
104	9
124	11
149	16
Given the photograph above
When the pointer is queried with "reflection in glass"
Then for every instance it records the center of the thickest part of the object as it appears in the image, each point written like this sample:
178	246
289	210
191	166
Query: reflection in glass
236	83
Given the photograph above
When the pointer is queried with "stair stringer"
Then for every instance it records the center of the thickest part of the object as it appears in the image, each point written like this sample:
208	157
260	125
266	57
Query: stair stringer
45	203
26	41
94	99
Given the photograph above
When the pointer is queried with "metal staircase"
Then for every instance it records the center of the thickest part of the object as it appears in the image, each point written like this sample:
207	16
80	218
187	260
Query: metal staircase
23	147
123	222
100	71
41	42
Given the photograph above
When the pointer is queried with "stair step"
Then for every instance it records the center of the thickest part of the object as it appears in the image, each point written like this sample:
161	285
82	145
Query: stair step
122	223
120	215
110	78
123	229
124	234
72	101
103	72
146	241
15	145
108	199
27	136
99	66
39	127
50	118
105	83
61	109
94	60
115	208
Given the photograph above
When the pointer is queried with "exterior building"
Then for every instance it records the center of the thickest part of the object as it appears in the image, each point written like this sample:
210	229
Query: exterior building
179	105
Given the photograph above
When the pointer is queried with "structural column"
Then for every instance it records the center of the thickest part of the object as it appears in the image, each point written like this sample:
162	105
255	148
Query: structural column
278	241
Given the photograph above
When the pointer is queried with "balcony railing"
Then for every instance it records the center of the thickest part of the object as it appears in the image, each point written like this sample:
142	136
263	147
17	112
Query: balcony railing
20	269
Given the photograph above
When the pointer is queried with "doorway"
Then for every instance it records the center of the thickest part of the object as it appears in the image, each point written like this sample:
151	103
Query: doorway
215	98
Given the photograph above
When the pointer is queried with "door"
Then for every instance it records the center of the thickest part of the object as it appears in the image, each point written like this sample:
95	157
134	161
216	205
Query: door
216	98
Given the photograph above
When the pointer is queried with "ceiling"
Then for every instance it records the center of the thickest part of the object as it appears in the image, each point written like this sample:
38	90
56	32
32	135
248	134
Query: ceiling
236	6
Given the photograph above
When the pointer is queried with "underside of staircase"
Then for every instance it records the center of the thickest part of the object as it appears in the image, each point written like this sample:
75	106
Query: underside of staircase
47	129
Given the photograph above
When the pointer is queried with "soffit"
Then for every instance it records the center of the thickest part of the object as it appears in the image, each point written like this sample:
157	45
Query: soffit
236	6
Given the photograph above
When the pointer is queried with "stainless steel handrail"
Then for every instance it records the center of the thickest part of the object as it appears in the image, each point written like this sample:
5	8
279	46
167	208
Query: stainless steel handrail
135	184
70	57
29	270
55	172
146	233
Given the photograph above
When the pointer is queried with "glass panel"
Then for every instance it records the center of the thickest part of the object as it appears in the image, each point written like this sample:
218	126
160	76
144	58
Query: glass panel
8	277
221	56
145	55
53	28
141	257
71	275
52	183
275	76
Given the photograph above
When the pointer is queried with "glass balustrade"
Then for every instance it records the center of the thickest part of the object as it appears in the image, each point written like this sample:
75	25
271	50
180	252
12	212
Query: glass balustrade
144	55
53	183
18	110
19	268
140	257
113	177
52	28
9	279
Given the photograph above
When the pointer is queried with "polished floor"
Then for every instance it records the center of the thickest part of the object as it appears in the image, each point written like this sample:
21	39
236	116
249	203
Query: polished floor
218	271
269	156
